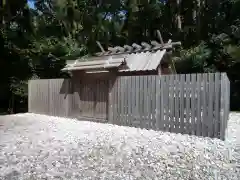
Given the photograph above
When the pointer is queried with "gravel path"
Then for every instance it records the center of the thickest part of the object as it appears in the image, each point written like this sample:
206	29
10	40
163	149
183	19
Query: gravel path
42	147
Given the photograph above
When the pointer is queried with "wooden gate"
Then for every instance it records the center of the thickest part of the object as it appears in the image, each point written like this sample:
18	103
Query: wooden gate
90	99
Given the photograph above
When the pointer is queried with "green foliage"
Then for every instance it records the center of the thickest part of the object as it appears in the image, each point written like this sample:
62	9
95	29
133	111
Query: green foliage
37	42
195	58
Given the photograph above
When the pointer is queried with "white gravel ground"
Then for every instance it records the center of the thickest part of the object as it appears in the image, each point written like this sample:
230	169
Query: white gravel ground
42	147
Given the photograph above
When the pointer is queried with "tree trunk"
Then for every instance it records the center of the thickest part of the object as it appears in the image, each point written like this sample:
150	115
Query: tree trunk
178	16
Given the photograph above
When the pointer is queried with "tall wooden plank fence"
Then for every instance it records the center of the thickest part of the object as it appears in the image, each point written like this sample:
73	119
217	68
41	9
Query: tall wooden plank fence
196	104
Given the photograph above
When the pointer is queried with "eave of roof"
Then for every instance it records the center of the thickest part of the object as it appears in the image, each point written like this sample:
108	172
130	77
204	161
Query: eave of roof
144	61
99	64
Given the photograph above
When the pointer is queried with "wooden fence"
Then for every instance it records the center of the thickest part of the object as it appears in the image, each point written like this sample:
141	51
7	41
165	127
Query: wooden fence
196	104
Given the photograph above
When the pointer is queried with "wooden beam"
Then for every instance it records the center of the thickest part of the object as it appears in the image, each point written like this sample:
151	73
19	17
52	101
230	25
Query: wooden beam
146	46
155	43
119	48
160	37
128	48
136	46
100	46
112	49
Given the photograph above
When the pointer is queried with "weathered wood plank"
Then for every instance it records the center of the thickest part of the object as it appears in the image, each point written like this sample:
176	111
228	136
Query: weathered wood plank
171	103
227	100
222	108
204	100
161	83
141	105
126	99
158	103
163	103
199	107
182	124
123	99
137	113
145	101
129	100
210	105
176	104
188	104
148	110
167	102
117	103
133	100
193	87
216	104
153	103
111	102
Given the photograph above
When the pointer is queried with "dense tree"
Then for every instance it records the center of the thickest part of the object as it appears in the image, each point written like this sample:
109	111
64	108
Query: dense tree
36	42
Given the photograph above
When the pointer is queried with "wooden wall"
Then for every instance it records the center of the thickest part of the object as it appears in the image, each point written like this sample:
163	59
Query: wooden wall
196	104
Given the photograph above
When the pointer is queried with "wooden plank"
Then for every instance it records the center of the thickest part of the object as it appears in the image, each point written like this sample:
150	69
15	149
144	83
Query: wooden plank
149	91
182	81
118	104
217	104
101	97
129	100
137	113
163	103
222	134
52	99
29	96
100	92
117	117
96	98
34	95
43	102
193	103
141	105
176	103
158	103
145	101
32	98
171	103
153	102
58	88
38	99
133	102
125	92
162	116
204	101
227	100
147	94
225	104
115	100
121	101
69	98
210	105
187	110
199	107
167	102
106	99
111	102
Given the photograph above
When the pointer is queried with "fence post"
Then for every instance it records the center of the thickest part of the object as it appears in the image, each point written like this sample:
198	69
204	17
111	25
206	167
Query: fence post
29	96
158	103
110	101
223	109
